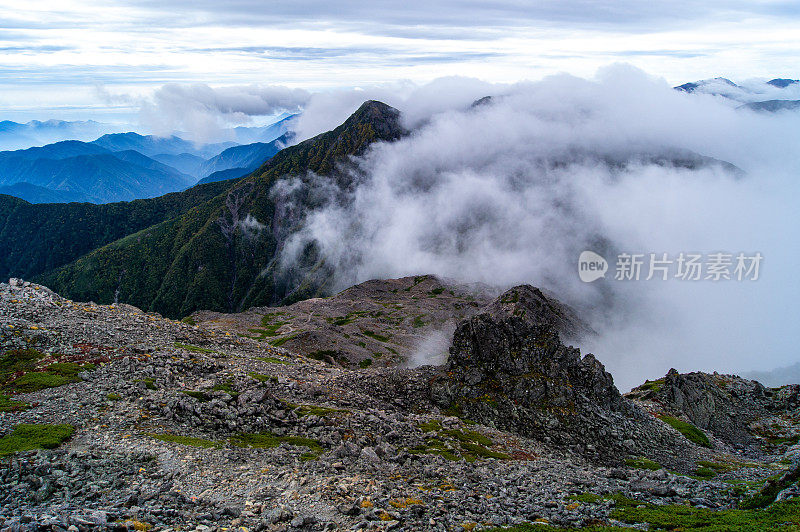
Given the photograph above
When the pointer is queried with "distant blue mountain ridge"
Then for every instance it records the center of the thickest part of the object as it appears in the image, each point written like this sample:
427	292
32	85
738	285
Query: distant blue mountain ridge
127	166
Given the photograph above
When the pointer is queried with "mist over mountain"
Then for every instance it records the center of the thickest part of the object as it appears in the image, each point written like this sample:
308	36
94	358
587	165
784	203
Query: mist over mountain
14	136
778	94
151	145
247	157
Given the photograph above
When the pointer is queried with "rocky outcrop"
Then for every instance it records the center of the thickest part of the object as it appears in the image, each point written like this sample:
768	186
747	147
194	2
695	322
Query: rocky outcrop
737	411
508	368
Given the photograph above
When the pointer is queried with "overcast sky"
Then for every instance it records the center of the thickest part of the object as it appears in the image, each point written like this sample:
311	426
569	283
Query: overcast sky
89	59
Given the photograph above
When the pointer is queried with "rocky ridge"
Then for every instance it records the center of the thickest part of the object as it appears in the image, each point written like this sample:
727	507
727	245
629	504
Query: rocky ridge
181	426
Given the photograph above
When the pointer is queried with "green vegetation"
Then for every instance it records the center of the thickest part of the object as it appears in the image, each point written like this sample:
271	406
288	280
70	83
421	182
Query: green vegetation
769	492
643	463
707	470
418	321
188	320
454	444
200	396
273	360
314	410
270	328
148	383
367	362
436	291
375	336
263	378
323	354
16	361
588	498
784	515
27	437
62	232
226	387
431	426
51	376
689	431
186	440
280	341
113	397
193	348
267	440
347	319
10	405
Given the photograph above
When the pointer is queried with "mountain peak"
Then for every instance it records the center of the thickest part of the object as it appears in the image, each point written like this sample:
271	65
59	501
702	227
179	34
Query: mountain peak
383	118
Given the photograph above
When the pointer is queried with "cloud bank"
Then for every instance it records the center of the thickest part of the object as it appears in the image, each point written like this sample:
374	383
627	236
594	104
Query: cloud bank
511	192
205	112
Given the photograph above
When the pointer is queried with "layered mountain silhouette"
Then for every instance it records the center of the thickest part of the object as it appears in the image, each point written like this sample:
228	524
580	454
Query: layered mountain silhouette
126	166
212	247
89	172
246	157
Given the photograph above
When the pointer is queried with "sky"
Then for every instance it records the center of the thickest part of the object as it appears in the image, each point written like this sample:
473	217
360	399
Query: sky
106	60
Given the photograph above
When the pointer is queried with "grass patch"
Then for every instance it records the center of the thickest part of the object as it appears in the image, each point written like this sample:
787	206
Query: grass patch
456	444
769	492
314	410
468	436
18	360
587	498
226	387
471	451
418	321
784	515
7	404
643	463
269	329
200	396
52	376
689	431
267	440
188	320
323	354
148	383
273	360
436	291
280	341
375	336
186	440
27	437
193	348
263	378
367	362
431	426
114	397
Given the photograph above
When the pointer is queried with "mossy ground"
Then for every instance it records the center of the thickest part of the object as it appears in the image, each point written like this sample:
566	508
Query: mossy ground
267	440
193	348
783	515
455	444
7	404
51	376
27	437
689	431
641	462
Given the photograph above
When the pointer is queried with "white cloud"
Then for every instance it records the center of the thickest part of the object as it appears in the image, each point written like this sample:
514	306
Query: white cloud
511	193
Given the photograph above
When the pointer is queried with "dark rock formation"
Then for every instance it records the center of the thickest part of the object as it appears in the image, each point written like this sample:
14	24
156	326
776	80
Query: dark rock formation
729	407
509	368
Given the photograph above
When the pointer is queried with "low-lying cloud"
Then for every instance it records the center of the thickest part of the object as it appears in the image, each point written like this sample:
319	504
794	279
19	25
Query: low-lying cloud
511	192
